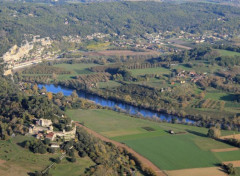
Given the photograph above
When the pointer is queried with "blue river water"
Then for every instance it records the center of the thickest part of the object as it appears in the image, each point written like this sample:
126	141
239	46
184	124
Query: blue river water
112	104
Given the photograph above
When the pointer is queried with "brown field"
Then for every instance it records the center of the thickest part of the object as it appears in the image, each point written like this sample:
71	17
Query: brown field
120	53
235	163
10	169
225	150
235	136
208	171
181	46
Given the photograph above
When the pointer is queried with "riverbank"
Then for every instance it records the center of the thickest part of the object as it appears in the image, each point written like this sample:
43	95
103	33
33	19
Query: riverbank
113	104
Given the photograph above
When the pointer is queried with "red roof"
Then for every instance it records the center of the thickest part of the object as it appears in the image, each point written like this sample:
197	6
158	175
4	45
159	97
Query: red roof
50	135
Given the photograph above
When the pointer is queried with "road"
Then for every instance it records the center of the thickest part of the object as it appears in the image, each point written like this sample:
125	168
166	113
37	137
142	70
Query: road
144	160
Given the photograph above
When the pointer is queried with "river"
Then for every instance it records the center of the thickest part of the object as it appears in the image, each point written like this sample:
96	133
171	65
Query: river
111	104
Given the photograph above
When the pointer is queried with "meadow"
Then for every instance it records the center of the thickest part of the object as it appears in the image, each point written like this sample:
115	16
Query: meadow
157	70
190	149
76	69
16	160
228	53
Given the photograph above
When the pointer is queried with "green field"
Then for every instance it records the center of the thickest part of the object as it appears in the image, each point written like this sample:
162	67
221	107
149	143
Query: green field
76	169
109	84
21	160
15	160
168	152
228	53
77	68
157	70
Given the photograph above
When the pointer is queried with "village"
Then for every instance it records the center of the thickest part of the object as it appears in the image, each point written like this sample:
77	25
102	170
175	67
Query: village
35	49
43	129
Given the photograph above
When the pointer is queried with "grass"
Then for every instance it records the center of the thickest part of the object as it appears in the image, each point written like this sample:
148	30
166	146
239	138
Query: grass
219	95
20	161
228	53
168	152
77	68
237	172
98	46
109	84
157	70
77	168
228	156
171	152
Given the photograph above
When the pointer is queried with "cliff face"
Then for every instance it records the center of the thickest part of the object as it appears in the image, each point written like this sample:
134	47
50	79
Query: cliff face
17	53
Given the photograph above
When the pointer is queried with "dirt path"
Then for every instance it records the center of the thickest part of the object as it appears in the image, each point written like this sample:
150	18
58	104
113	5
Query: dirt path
144	160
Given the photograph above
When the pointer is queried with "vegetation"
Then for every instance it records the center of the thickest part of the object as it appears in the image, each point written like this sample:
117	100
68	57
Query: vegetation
19	18
152	144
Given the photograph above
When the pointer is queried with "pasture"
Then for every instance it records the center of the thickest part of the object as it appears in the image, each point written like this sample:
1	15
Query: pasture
15	160
156	70
76	169
18	160
77	68
190	149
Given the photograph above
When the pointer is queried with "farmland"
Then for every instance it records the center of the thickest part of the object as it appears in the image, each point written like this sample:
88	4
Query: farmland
157	144
228	53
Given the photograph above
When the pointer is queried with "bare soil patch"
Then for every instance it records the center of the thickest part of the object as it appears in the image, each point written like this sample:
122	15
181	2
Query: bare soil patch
2	161
235	136
208	171
225	150
235	163
144	160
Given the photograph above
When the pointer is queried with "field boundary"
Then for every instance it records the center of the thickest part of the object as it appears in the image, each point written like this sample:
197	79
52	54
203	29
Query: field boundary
234	136
225	150
206	171
235	163
144	160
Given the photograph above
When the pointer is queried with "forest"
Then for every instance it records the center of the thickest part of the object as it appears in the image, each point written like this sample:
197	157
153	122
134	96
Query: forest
128	18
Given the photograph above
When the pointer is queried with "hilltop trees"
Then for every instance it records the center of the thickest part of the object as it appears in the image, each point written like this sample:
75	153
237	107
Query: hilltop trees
214	132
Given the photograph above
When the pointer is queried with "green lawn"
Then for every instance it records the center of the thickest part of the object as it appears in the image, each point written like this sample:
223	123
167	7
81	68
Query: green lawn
168	152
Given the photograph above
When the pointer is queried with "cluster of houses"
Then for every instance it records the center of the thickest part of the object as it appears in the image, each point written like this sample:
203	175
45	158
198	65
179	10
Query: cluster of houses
43	128
195	77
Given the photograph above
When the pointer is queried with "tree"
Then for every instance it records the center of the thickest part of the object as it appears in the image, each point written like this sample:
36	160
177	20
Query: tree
74	94
73	159
51	150
57	160
230	169
49	95
214	132
47	141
